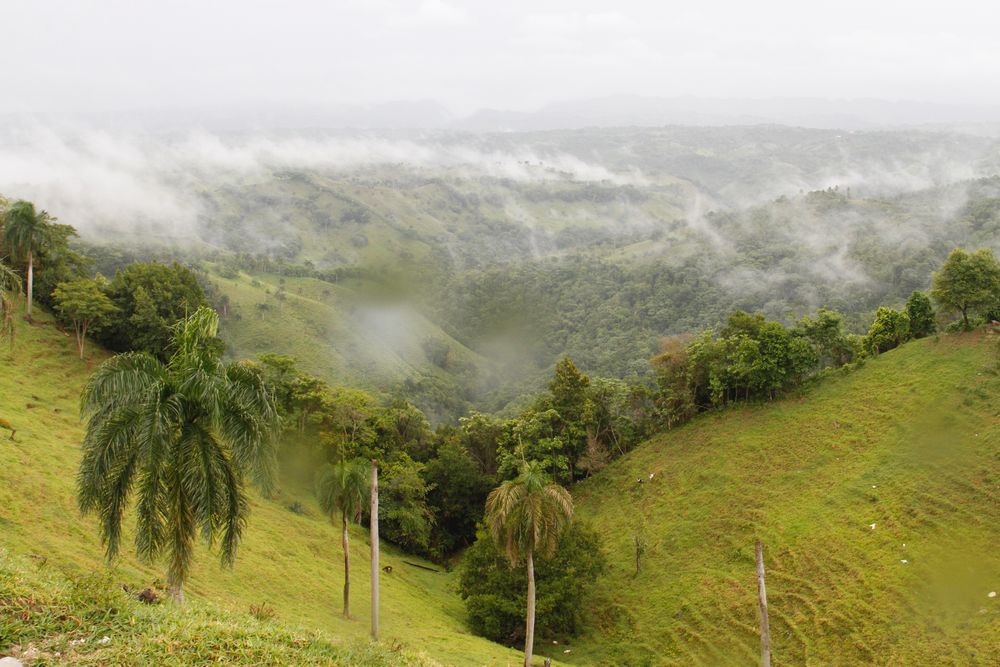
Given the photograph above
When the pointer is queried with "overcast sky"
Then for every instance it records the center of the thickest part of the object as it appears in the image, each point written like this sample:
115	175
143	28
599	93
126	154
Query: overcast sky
80	55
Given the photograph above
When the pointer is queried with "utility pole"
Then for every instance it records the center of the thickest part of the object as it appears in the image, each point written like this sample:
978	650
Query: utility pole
765	630
374	541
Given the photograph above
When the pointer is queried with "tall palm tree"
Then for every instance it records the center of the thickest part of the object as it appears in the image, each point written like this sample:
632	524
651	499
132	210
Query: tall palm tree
342	489
26	231
187	434
526	516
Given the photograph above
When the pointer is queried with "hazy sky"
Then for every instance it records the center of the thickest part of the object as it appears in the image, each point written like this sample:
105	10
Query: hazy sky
80	55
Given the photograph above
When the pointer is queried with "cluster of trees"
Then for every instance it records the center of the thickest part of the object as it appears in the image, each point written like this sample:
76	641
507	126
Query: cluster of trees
435	481
134	311
190	433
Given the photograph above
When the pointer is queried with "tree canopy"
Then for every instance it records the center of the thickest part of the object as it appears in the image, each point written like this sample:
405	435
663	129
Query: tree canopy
968	283
150	297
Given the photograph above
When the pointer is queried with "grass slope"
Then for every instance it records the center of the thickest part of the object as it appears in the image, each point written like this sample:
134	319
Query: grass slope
344	335
50	617
909	444
288	561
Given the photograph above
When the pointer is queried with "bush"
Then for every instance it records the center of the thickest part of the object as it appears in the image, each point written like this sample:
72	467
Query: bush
890	329
262	612
495	594
921	314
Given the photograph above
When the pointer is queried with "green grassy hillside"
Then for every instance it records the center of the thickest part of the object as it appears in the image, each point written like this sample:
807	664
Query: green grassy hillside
909	444
877	496
288	561
349	335
51	617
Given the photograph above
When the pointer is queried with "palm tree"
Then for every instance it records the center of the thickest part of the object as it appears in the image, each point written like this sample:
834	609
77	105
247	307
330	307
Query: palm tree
186	434
10	282
26	231
342	489
527	515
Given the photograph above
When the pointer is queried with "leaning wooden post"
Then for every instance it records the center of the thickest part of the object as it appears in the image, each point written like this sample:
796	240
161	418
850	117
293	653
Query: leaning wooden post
374	541
765	630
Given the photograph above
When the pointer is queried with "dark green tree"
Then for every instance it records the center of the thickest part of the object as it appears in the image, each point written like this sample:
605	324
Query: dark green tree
495	594
968	283
457	490
185	435
150	297
569	391
921	314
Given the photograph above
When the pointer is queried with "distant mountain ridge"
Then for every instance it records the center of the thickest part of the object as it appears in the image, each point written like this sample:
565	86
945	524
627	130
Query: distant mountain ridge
626	110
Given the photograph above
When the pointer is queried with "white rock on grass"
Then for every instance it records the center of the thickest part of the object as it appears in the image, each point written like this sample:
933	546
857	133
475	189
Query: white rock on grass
10	662
991	594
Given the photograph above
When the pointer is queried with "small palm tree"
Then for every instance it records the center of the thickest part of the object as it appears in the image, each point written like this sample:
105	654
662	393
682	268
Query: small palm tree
26	231
186	434
343	489
526	516
9	280
10	283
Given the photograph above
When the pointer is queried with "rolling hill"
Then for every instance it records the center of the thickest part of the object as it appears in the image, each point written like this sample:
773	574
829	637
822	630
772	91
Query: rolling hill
876	494
289	561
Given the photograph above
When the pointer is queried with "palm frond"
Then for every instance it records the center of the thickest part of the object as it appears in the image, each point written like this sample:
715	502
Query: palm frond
528	514
10	280
125	379
342	488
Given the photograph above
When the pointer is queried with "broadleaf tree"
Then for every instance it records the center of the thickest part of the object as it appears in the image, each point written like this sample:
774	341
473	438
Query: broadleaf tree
84	304
968	283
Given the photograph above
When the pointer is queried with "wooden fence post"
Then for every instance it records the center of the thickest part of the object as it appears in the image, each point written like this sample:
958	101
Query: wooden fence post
374	541
765	630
